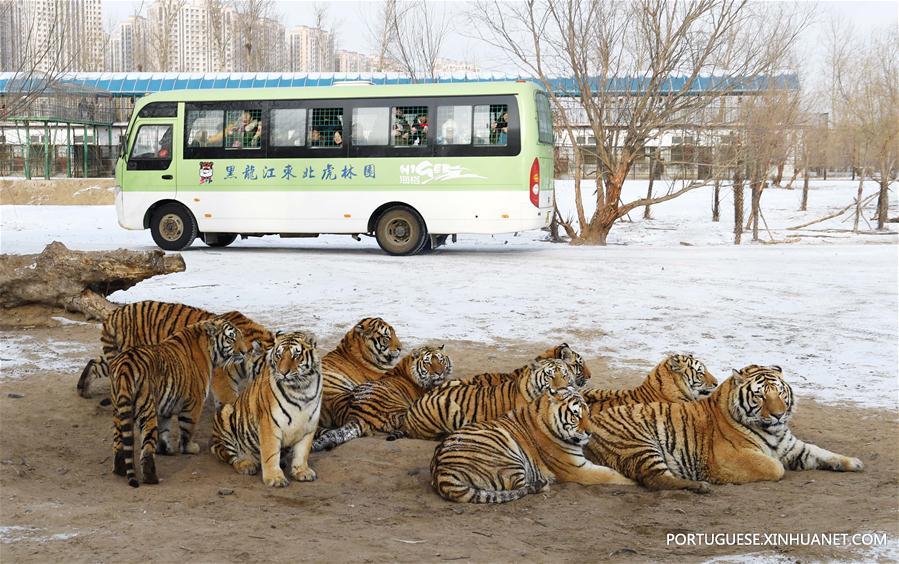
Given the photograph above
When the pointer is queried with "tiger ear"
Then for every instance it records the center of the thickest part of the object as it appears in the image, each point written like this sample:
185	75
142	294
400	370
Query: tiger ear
441	347
777	368
736	375
278	333
211	327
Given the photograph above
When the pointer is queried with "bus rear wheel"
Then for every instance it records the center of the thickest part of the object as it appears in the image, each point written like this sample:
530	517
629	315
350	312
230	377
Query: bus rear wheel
173	227
400	232
219	239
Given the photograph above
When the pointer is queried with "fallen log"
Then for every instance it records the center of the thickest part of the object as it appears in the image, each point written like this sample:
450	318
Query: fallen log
78	280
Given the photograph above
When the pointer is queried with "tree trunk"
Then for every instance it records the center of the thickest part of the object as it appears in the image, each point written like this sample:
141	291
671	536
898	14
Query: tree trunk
858	201
652	177
780	174
793	178
738	207
756	186
804	206
882	201
716	201
78	280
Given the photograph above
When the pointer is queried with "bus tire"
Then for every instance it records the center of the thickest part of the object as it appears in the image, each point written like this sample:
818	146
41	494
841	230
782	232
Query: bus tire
400	231
218	239
173	227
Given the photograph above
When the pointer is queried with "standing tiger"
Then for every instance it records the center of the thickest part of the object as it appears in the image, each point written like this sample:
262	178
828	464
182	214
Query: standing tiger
738	434
450	406
150	322
381	405
167	380
562	352
677	379
278	409
365	353
519	453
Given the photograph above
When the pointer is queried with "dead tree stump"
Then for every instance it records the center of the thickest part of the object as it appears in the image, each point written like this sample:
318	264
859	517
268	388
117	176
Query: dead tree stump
78	280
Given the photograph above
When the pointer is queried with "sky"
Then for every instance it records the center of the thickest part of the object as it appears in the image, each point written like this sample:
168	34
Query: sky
349	19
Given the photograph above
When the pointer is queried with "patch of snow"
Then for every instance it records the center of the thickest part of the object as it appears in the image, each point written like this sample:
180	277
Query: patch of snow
67	321
15	533
22	355
824	308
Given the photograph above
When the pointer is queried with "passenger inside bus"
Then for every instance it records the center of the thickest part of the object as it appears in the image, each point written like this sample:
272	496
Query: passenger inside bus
165	145
247	132
420	130
401	128
447	132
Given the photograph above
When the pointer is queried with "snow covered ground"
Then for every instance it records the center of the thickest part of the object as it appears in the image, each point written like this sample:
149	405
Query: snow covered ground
822	304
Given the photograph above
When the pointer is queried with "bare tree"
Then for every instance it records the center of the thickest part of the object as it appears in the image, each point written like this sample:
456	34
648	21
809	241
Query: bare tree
635	68
216	13
381	33
252	17
164	16
417	53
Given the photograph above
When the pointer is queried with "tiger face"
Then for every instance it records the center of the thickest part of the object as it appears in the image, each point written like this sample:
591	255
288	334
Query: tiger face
691	375
566	416
228	343
761	398
380	345
550	374
575	363
294	360
430	366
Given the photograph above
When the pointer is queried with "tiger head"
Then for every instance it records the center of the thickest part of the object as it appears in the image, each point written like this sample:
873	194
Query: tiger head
228	343
574	361
374	340
293	359
428	366
547	374
260	339
683	375
565	415
760	397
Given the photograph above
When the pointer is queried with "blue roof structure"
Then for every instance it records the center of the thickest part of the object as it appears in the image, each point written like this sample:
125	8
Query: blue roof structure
127	84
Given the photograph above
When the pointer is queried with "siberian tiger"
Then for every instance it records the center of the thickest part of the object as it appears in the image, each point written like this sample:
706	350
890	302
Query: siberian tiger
278	409
167	380
738	434
151	322
381	405
450	406
677	379
563	352
519	453
365	353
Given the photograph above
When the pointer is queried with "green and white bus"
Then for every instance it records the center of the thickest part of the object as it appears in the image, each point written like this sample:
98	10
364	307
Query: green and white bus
409	164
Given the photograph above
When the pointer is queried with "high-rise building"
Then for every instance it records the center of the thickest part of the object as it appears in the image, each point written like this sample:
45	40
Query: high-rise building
449	65
310	50
128	46
350	61
51	35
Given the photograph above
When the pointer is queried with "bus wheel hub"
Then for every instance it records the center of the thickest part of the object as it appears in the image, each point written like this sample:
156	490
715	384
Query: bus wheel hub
400	230
171	227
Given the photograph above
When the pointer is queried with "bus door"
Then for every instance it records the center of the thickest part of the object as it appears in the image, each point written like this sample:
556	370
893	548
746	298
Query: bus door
149	166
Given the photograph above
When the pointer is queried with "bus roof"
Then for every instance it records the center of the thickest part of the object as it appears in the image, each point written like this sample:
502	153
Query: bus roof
347	91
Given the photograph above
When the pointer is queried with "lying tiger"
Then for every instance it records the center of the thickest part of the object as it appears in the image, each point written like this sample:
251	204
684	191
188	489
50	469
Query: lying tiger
738	434
562	352
150	322
168	380
381	405
365	353
677	379
450	406
278	409
519	453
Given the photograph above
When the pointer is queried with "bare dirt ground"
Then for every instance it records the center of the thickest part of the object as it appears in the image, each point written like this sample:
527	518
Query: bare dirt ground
58	191
59	500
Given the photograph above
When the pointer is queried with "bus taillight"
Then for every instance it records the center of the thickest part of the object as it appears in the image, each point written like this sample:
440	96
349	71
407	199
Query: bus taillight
535	183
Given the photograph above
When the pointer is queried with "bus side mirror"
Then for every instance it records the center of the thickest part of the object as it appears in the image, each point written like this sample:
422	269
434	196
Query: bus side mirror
131	165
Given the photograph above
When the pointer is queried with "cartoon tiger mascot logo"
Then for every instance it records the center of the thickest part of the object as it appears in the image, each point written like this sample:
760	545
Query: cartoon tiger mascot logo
206	172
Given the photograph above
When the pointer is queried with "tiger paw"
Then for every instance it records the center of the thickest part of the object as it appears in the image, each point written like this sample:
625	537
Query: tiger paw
851	465
701	488
275	479
191	447
303	474
246	467
164	448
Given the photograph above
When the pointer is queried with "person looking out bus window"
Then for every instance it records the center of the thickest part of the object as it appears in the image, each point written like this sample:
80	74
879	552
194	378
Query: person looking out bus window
500	129
338	138
420	130
401	128
447	133
246	132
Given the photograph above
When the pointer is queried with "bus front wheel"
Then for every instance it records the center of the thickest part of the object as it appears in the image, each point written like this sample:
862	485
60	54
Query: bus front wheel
400	231
219	239
173	227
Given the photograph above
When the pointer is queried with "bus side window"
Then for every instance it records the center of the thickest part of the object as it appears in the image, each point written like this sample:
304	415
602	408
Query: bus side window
243	129
205	128
410	126
288	127
325	127
370	126
491	124
152	148
454	125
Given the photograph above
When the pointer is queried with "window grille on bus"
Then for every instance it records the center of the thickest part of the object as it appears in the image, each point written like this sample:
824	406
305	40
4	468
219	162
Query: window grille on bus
410	125
326	127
